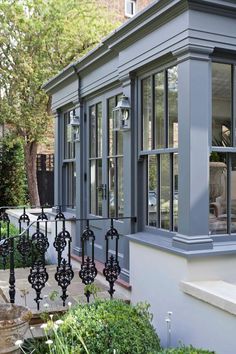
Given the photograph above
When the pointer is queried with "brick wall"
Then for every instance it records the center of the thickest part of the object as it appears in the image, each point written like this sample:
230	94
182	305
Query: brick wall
117	7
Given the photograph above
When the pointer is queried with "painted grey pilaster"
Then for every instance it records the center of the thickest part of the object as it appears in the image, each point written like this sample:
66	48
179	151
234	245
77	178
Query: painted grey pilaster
194	112
129	177
57	159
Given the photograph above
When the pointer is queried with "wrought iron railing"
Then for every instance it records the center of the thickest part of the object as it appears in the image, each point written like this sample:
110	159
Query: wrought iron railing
34	245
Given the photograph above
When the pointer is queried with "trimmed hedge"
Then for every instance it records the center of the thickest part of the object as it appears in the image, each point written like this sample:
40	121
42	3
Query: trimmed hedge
107	326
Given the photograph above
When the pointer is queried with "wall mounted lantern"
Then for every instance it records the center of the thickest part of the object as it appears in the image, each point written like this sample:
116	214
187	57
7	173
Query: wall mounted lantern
75	125
122	114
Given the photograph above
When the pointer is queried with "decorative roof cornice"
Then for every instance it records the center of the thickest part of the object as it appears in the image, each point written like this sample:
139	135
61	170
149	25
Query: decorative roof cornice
153	16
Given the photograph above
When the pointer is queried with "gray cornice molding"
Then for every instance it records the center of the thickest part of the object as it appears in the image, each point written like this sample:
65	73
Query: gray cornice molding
193	52
156	14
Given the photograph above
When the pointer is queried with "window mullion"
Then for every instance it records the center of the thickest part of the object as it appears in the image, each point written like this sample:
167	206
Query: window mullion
153	144
233	106
158	192
166	115
229	171
171	191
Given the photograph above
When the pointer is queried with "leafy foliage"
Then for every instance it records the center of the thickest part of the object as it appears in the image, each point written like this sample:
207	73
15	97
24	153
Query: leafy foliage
12	173
17	256
104	326
37	39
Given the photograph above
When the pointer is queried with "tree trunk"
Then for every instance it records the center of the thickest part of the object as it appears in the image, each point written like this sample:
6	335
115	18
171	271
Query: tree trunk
31	172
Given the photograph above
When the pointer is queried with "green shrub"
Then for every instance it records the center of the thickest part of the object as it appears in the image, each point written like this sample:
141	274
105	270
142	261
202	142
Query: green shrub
106	326
12	172
185	350
13	231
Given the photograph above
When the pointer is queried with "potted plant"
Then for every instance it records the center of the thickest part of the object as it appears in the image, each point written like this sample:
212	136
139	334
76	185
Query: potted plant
14	322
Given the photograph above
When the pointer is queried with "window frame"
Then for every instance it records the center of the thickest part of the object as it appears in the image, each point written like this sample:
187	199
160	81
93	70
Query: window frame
133	4
143	154
227	150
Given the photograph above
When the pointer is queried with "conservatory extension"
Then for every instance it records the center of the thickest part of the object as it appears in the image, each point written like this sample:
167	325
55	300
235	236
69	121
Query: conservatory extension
145	135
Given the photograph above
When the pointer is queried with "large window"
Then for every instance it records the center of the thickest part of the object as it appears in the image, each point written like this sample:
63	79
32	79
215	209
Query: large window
159	146
69	171
222	216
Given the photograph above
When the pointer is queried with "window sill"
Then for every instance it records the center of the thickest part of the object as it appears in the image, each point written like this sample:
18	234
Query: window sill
159	241
217	293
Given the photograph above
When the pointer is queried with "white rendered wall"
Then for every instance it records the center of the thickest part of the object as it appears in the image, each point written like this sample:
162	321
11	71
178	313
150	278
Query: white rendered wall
155	277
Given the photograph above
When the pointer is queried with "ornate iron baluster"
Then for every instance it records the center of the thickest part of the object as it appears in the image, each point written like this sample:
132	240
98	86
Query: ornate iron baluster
64	273
4	250
12	279
112	268
38	274
88	271
24	244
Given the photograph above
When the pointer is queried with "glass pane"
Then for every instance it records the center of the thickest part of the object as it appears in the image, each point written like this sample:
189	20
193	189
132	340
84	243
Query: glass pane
69	145
92	142
112	198
233	193
159	111
120	188
165	191
147	113
99	130
71	184
152	191
221	104
176	192
218	194
99	187
173	106
111	132
119	134
93	187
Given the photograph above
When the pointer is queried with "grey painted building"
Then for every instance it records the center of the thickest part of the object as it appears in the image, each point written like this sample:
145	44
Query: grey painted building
175	168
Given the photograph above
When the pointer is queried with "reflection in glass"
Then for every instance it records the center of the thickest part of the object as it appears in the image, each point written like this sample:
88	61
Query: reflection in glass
176	191
120	196
159	111
70	184
99	130
152	191
92	119
221	104
69	145
233	193
165	191
218	193
99	186
112	198
173	106
93	187
111	132
147	113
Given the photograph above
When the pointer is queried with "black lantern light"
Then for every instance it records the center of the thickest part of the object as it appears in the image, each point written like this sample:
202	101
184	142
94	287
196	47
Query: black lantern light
121	114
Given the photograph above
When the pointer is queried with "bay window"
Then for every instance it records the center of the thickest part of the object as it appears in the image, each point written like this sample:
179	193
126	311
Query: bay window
159	147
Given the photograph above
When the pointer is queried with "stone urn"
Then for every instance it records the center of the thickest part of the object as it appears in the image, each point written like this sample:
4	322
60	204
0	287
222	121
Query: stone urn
14	322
